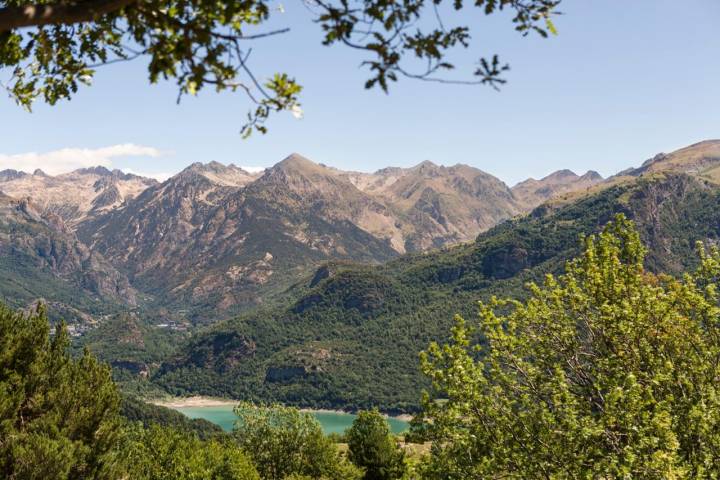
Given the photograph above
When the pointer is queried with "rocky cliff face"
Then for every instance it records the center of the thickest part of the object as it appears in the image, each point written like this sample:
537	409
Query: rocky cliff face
216	235
447	205
216	239
435	205
359	325
197	240
41	256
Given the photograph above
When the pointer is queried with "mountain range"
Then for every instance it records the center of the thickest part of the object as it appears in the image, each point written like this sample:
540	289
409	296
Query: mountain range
214	240
349	336
307	284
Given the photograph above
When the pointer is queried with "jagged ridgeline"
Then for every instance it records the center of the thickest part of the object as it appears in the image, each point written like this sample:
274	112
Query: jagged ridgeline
351	335
214	240
40	258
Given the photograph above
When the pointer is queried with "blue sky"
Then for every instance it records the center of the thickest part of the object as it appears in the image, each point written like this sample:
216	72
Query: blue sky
622	81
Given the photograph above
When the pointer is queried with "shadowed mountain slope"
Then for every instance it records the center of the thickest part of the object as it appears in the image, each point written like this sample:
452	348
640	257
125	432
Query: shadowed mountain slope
41	258
215	240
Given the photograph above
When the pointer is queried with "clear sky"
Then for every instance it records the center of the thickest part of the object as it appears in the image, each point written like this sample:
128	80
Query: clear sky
622	81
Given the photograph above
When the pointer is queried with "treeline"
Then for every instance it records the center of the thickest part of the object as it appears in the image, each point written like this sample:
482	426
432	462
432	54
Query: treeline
134	409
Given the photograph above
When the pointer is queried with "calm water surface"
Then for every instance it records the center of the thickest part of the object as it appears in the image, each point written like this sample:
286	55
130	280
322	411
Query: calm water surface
330	421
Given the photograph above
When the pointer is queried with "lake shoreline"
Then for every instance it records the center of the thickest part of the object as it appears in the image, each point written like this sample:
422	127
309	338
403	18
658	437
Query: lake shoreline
190	402
202	401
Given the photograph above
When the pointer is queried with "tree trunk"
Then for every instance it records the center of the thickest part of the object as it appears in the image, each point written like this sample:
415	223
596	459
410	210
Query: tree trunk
37	15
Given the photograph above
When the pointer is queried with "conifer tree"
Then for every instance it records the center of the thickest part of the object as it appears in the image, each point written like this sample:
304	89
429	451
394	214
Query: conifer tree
58	415
372	447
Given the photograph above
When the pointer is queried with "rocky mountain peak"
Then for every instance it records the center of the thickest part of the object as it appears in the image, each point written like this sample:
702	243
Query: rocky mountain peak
561	175
531	192
301	175
300	164
702	159
99	170
592	175
655	159
76	194
41	244
389	171
10	174
425	166
217	166
216	237
217	173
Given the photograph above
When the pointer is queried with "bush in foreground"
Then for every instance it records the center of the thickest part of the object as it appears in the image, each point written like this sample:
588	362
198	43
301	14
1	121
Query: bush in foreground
607	371
285	442
160	453
58	415
60	419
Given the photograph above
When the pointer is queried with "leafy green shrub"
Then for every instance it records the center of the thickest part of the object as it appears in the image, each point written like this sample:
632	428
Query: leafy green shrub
284	441
160	453
607	371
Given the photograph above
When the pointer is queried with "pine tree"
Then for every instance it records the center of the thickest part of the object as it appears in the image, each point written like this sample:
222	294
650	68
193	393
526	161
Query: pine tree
372	447
58	415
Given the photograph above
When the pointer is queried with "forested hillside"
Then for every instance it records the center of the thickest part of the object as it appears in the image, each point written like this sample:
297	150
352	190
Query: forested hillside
351	336
214	240
299	249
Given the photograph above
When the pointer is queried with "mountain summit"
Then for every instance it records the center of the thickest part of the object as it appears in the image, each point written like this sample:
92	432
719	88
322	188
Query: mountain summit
217	238
531	192
216	172
701	159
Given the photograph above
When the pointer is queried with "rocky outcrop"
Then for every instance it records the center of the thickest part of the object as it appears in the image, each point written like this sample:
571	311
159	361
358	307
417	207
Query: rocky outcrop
214	239
10	175
43	242
434	206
